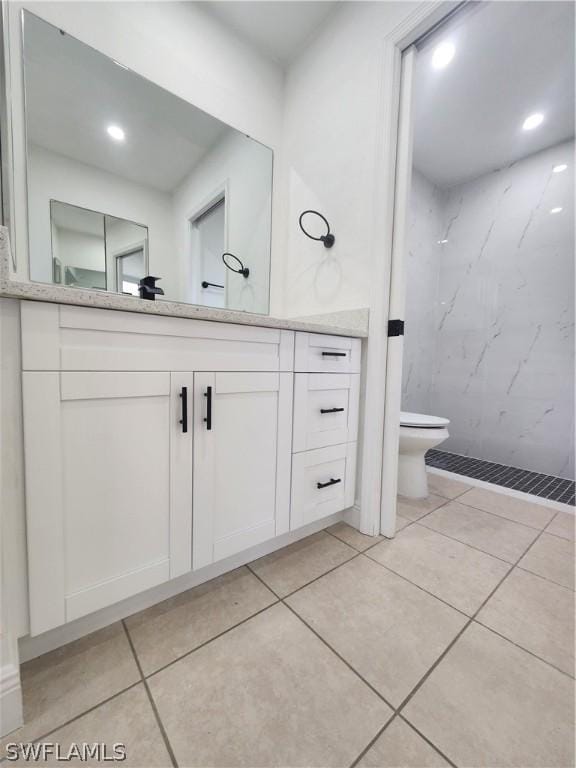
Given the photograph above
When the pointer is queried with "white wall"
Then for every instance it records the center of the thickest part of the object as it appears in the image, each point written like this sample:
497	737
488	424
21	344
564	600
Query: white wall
52	176
332	134
243	169
502	309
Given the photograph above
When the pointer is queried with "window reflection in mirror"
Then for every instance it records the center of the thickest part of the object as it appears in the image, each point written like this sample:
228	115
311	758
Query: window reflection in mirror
102	138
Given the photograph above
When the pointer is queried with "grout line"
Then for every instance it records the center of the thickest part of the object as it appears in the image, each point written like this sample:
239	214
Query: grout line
495	514
342	659
422	589
151	700
215	637
550	581
512	642
373	741
426	739
43	736
455	640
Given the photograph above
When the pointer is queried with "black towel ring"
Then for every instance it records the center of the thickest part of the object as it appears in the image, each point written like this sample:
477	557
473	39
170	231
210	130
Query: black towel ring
242	271
328	239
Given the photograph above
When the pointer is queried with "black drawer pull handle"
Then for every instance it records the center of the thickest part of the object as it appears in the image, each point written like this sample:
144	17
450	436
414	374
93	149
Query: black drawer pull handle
184	419
208	396
331	410
330	482
334	354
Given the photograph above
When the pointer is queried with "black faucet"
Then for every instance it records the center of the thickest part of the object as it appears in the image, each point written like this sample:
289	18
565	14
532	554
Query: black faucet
148	289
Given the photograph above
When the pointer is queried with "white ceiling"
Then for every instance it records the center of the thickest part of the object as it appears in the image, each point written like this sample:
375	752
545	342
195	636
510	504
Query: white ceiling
69	107
512	59
278	29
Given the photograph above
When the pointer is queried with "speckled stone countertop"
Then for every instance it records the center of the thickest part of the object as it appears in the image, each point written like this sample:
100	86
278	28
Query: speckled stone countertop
350	322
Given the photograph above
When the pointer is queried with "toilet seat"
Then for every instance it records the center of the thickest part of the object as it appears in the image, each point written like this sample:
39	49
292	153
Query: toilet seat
422	421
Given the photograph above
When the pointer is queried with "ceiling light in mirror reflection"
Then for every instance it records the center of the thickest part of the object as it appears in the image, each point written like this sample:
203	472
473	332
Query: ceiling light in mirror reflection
559	168
116	133
533	121
443	55
555	210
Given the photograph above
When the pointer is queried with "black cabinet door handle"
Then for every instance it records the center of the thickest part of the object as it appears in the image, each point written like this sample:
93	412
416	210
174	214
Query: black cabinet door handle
208	396
334	354
330	482
184	419
331	410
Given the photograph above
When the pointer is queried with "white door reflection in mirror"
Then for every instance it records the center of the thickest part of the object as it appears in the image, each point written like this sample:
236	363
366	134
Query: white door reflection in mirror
208	243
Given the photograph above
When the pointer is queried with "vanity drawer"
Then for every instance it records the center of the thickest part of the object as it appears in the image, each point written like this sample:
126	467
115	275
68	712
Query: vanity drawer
322	483
325	409
318	353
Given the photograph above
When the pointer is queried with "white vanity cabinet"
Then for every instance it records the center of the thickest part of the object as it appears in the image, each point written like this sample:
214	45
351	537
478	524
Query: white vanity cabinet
242	453
155	446
108	488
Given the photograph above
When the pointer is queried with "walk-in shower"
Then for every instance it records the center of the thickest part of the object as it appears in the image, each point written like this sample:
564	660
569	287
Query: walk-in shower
490	265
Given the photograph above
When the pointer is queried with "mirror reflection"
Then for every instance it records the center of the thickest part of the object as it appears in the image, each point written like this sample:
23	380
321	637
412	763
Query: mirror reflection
126	180
95	251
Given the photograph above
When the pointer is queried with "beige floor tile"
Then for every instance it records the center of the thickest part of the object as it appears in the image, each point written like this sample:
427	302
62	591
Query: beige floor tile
552	558
401	747
168	630
294	566
489	703
490	533
387	629
414	509
518	510
401	522
268	693
563	525
66	682
446	486
536	614
454	572
127	719
353	537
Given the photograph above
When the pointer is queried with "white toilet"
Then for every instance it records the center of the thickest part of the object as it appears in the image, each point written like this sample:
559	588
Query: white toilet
418	433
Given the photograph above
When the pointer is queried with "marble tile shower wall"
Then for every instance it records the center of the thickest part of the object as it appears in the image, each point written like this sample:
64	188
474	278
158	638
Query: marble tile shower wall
490	312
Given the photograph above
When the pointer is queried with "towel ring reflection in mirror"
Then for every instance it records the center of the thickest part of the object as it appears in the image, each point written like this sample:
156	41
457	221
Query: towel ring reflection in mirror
328	239
241	271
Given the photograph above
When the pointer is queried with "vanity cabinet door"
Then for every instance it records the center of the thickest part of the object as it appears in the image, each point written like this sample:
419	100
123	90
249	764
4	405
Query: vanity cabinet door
109	487
242	457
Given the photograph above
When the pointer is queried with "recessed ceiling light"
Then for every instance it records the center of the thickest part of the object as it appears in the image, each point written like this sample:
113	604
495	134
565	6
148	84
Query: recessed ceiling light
441	242
555	210
559	168
533	121
443	55
116	133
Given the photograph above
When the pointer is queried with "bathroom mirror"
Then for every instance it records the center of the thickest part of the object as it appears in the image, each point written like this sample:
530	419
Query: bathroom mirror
125	180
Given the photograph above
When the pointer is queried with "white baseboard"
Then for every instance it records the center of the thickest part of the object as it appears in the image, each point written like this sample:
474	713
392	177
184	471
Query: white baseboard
31	647
10	699
505	491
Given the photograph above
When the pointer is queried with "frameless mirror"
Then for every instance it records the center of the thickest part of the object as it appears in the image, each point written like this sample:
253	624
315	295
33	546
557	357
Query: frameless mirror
127	180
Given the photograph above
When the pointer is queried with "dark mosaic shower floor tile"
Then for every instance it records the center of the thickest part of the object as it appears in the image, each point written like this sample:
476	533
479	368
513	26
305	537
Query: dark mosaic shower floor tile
536	483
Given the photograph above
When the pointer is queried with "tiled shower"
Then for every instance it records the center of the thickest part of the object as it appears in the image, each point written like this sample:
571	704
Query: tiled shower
490	313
